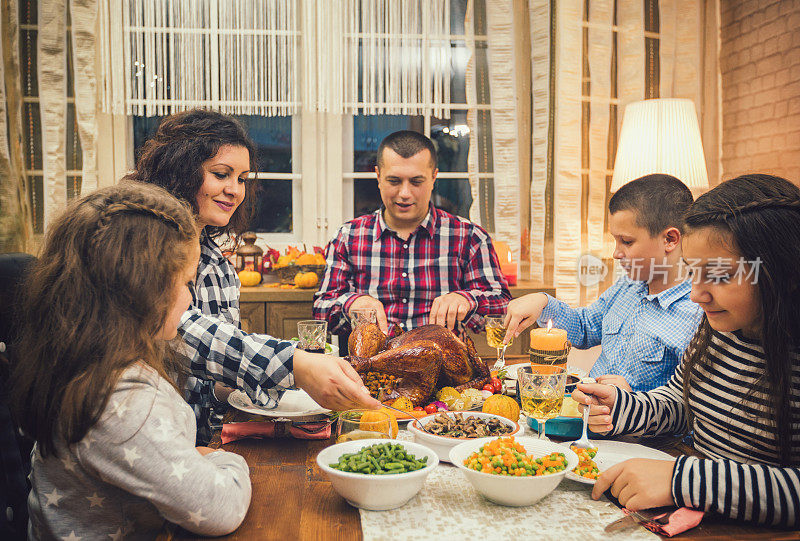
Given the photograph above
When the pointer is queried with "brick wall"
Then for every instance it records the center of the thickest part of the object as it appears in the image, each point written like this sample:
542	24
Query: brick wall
760	64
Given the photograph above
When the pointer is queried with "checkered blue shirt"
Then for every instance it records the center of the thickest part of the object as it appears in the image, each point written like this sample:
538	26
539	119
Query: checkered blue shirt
643	336
218	350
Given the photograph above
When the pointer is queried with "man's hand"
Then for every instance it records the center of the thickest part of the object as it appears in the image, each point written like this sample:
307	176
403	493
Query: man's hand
331	382
449	308
638	483
616	380
599	399
365	302
522	313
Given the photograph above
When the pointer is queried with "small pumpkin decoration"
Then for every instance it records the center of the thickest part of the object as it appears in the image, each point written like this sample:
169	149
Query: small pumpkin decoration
306	259
371	420
306	280
500	404
249	278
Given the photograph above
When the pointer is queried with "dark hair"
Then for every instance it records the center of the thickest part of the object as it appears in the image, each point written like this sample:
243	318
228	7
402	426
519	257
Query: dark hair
760	216
659	201
174	156
93	303
407	143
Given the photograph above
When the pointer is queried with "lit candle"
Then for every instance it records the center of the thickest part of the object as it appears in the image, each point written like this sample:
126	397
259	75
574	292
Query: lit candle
548	338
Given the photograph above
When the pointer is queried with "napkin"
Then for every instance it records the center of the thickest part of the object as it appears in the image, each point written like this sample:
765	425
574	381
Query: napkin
275	429
673	523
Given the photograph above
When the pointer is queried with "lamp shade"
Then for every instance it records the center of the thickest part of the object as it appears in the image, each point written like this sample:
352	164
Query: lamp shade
660	136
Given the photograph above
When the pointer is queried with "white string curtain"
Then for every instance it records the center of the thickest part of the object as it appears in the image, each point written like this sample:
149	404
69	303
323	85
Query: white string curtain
376	56
239	57
266	57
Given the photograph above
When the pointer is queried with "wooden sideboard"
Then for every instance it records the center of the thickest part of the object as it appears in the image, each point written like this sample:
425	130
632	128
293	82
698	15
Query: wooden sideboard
274	311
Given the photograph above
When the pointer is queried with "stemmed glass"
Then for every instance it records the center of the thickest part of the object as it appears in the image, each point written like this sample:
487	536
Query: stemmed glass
495	333
363	425
541	390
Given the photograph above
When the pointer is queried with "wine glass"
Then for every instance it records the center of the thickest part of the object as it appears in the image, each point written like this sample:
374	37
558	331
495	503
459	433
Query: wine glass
360	317
363	425
541	390
495	333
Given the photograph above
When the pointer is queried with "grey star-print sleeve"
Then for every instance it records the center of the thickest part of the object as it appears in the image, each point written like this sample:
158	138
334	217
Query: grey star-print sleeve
144	445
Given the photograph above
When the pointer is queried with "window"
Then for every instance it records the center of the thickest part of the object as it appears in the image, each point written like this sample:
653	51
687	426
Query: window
32	116
278	184
311	179
452	136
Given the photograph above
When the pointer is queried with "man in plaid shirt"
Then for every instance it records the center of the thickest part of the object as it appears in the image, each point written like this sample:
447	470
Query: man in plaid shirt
411	262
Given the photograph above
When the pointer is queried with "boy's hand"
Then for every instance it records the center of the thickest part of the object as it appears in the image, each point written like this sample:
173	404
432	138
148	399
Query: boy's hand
522	313
331	382
365	302
599	399
616	380
638	483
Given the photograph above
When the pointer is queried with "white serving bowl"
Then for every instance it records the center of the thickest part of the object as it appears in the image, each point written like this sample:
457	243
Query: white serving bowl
376	492
511	490
442	444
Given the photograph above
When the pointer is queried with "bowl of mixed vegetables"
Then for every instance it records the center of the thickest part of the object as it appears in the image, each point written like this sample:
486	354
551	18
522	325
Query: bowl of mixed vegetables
513	471
377	474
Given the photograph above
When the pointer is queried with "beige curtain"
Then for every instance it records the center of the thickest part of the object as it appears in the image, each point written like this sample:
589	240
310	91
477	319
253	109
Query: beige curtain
16	227
589	59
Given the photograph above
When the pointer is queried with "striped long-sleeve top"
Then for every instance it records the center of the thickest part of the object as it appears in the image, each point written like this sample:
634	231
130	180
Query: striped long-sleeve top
742	477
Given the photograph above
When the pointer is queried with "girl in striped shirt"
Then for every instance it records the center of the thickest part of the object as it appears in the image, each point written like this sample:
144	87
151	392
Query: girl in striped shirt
738	387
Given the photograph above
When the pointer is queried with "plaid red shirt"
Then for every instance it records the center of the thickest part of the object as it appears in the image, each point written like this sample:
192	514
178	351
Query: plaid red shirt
445	254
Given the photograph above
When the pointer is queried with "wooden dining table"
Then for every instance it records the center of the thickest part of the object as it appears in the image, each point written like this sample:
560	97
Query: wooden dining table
293	499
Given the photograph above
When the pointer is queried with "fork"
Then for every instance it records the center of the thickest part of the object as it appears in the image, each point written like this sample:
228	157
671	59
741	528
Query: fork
583	442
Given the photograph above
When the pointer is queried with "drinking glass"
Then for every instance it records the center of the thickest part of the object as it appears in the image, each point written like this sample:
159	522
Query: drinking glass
312	334
541	390
363	425
495	333
360	317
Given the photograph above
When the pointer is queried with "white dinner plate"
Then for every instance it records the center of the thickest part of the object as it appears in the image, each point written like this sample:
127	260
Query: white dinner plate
294	405
603	461
610	452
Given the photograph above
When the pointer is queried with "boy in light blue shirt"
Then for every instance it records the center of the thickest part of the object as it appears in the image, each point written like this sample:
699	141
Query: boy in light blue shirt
644	321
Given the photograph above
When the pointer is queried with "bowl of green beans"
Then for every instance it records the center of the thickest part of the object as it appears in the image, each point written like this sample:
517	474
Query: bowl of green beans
377	474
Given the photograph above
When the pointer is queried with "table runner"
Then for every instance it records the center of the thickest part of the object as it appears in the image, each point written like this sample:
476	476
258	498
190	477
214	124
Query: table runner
449	508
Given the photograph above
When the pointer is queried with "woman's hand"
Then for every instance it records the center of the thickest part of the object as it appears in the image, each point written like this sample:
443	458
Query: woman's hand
205	450
522	313
615	380
365	302
599	399
638	483
331	382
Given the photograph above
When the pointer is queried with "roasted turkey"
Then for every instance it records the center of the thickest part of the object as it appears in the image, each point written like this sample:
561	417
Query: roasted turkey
422	360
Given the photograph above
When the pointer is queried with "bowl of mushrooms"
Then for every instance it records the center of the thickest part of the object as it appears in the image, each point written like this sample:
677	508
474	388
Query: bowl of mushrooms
444	430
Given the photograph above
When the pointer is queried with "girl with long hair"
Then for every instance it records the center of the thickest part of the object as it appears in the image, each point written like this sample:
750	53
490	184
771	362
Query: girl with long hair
738	388
205	159
94	386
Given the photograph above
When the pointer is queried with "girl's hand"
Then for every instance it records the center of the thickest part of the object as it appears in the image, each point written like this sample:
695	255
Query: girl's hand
522	313
599	399
615	380
638	483
331	382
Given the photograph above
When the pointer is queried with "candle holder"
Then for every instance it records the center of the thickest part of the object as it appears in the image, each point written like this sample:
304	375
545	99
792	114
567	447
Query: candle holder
551	357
